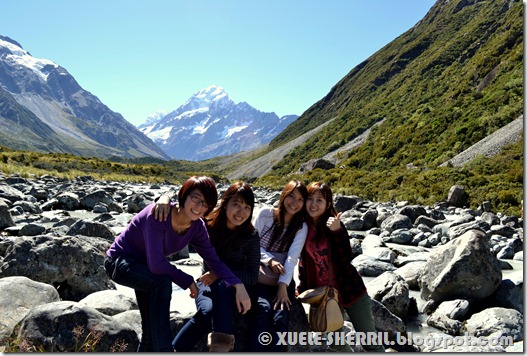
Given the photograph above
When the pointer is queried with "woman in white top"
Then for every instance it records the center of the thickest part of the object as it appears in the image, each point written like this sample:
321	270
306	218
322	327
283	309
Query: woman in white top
282	231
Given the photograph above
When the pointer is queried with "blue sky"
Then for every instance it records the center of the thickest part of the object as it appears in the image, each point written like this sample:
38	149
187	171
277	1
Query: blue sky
141	56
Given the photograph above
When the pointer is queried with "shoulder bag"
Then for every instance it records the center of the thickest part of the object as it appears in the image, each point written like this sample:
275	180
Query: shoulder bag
325	313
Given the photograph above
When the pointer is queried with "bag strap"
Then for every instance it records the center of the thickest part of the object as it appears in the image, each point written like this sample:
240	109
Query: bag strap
330	263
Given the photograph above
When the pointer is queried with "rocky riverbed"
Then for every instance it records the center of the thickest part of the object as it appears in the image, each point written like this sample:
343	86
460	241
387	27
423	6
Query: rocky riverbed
435	273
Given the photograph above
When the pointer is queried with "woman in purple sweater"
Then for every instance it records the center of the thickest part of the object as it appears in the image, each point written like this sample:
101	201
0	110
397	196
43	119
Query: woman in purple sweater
138	259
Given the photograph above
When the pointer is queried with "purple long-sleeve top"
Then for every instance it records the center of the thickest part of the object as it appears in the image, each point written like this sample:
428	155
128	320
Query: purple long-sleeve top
151	241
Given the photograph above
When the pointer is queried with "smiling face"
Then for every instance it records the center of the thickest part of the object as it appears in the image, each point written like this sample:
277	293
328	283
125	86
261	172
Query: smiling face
316	205
195	205
237	212
293	203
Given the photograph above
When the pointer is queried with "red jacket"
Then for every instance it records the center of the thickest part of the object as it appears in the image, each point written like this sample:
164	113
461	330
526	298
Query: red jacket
348	281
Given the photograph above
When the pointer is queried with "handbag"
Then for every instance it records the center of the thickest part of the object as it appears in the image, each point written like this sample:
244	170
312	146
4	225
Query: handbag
325	313
266	275
312	296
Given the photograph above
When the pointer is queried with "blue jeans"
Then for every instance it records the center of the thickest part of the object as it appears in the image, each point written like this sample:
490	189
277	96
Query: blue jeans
153	293
215	306
267	320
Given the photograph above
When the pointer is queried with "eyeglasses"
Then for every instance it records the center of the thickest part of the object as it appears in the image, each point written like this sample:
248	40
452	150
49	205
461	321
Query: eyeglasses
198	201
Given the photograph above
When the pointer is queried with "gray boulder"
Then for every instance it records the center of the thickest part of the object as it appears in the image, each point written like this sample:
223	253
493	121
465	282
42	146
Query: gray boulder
496	322
370	266
395	222
392	291
6	220
18	295
92	229
109	302
463	268
447	317
68	326
510	292
457	196
94	198
73	264
66	201
411	273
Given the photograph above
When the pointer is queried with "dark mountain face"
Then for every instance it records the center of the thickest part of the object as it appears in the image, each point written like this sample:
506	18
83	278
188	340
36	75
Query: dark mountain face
210	124
79	122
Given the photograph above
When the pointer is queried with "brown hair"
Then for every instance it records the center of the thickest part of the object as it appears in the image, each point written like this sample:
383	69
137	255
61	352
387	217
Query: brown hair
279	216
205	185
330	211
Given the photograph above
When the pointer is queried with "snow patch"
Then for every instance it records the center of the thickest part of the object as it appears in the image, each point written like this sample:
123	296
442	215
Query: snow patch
22	57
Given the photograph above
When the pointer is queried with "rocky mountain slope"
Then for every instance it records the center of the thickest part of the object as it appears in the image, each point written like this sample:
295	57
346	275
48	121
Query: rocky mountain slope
43	108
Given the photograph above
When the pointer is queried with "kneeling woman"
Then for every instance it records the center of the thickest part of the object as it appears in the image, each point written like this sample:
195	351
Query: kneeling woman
138	259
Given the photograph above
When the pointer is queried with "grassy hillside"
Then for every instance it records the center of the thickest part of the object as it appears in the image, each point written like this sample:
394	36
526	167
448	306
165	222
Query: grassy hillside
442	86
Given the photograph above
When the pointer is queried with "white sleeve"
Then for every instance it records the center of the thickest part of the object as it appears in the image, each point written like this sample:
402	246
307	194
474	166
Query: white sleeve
293	254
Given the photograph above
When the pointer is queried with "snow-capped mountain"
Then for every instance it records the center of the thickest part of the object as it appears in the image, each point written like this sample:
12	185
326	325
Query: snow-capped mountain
210	124
43	108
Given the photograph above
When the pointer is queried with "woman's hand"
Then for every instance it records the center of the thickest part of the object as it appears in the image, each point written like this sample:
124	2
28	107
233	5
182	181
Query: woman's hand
333	223
243	301
161	208
276	266
208	278
282	299
194	290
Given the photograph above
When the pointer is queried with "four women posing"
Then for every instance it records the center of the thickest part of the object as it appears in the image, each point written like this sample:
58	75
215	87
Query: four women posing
302	226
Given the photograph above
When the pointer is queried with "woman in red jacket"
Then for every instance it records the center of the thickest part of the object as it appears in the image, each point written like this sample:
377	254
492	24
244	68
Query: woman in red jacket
324	231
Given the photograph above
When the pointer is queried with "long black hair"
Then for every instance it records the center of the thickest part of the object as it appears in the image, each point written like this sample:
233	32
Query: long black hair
218	217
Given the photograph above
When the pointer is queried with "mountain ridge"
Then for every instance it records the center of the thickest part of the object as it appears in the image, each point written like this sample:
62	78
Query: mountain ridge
211	124
80	122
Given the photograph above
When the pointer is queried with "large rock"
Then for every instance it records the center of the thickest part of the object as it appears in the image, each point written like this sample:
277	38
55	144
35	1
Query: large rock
72	264
392	291
92	199
11	194
395	222
448	316
457	196
6	220
371	266
68	326
91	228
510	292
463	268
18	295
496	322
110	302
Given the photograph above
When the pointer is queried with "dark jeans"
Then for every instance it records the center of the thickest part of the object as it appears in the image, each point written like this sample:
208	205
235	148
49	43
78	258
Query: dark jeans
215	306
153	293
266	320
